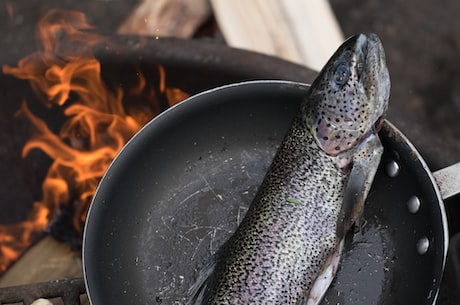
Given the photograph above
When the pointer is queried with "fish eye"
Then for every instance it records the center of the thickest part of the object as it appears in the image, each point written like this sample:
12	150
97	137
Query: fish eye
342	73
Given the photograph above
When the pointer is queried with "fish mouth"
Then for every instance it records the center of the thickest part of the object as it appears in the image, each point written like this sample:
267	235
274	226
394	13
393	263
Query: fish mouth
362	41
360	51
368	53
368	49
374	73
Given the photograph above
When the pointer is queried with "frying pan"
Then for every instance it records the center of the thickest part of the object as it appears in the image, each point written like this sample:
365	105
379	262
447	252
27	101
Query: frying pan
179	188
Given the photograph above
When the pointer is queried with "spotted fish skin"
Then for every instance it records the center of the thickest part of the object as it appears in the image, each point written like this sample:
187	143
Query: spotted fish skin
314	189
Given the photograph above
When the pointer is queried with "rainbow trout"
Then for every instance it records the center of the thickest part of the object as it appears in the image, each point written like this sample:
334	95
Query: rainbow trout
287	248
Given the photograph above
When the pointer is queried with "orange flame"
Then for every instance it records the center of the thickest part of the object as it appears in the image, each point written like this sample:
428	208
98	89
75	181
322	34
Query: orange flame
97	124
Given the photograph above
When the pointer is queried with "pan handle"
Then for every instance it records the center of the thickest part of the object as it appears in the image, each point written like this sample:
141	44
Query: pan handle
448	180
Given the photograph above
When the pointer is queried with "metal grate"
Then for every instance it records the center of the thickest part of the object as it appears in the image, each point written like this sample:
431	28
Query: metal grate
68	290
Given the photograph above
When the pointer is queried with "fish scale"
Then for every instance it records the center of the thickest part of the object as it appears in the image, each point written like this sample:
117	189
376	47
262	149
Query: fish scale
287	247
272	234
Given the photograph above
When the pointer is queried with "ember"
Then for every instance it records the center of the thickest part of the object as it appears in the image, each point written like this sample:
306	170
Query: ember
65	75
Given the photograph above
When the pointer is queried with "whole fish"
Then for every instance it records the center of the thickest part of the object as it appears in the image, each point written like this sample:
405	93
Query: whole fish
287	248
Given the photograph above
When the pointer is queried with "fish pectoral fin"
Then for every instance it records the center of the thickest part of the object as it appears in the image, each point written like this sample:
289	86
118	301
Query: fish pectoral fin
365	163
353	200
196	292
324	279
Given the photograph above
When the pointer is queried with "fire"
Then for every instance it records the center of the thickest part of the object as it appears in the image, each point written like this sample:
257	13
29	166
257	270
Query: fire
65	74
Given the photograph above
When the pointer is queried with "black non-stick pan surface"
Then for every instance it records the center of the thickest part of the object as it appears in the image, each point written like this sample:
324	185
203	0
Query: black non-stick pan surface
180	187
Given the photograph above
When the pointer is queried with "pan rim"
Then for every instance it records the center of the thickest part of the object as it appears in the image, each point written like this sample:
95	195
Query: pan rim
429	174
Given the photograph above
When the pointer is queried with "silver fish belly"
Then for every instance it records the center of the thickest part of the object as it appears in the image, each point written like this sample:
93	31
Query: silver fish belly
287	248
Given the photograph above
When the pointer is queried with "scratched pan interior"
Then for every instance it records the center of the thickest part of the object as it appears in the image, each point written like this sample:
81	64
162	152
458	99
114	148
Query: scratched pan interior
178	189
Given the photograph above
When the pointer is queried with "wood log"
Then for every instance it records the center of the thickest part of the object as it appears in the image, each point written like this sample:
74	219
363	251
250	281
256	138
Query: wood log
178	18
45	261
302	31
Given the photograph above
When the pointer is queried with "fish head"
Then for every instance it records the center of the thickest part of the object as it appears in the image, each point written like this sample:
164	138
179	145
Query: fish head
349	98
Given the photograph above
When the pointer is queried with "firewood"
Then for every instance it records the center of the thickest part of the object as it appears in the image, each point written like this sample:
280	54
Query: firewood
45	261
178	18
302	31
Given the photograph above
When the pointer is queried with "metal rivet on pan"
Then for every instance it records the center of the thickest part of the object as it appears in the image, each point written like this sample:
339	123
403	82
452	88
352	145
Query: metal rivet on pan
413	204
392	169
422	245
